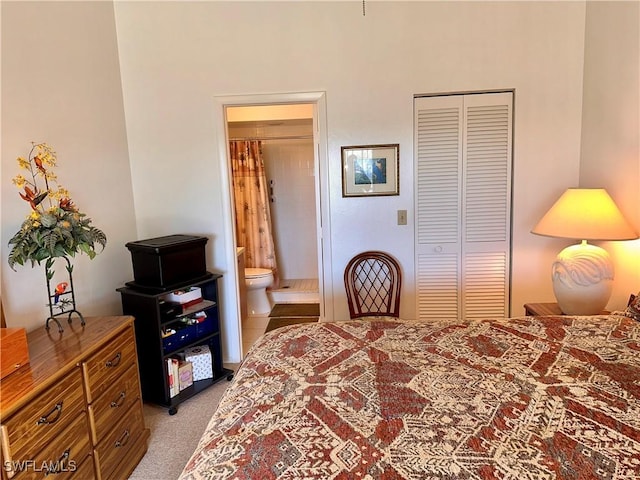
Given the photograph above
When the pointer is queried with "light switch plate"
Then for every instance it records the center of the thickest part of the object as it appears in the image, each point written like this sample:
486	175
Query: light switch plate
402	217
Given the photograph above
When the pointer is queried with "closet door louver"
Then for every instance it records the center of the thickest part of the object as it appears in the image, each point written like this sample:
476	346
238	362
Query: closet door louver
438	151
463	198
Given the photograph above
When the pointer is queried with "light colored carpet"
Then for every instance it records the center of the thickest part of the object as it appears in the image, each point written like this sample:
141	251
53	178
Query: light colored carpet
175	437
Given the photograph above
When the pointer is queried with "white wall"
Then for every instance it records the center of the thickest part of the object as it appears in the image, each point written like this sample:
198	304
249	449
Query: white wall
610	156
290	165
61	85
176	57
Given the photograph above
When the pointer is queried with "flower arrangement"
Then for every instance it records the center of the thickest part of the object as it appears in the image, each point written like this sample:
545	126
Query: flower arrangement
55	227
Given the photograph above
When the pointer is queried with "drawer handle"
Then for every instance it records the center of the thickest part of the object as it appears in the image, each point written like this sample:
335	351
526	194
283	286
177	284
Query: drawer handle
119	401
122	441
60	465
44	420
114	361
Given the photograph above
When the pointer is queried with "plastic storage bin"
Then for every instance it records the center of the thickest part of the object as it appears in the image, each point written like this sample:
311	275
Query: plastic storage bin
187	330
166	261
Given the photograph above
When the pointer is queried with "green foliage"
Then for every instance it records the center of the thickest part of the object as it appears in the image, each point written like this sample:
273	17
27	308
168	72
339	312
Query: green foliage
60	230
62	234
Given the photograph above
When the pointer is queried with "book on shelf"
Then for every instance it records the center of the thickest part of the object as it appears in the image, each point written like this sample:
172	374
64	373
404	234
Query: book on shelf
174	375
169	376
185	374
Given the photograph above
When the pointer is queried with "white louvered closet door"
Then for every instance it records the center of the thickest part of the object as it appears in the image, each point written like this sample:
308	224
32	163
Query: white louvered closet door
463	205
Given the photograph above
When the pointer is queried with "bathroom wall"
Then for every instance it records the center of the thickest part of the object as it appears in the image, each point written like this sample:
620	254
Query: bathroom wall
290	166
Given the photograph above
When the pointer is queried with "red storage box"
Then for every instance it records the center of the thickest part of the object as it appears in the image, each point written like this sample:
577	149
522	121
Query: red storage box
187	296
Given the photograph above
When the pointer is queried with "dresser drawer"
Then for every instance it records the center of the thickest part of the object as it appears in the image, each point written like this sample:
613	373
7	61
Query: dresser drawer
127	464
84	471
109	363
115	402
61	457
26	432
50	407
123	437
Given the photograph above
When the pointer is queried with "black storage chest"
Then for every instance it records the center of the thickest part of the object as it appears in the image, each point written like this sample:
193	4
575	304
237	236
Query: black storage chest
164	262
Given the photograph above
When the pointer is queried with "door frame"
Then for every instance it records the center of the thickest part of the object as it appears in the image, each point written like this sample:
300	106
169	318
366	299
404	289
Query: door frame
321	171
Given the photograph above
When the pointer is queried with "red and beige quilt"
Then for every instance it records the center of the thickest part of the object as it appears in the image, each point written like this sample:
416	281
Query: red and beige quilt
523	398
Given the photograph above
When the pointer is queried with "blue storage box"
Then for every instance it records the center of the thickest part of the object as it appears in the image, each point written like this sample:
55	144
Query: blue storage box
183	335
205	327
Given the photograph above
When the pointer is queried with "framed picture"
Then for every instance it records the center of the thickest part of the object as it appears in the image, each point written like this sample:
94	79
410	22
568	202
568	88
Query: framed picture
369	170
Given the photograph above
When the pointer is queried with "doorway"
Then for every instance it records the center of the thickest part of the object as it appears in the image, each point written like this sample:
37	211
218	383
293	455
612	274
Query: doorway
273	170
277	121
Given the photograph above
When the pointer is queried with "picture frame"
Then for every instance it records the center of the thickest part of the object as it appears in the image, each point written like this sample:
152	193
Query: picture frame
370	170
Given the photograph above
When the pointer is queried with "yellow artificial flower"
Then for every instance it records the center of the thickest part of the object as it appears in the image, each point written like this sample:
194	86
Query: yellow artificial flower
52	210
61	193
47	155
19	181
24	163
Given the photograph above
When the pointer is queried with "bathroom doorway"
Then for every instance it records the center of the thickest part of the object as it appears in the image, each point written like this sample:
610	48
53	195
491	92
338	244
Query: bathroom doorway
282	136
291	130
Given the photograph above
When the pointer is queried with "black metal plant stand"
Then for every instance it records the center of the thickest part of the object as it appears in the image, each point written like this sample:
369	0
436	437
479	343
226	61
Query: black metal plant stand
63	297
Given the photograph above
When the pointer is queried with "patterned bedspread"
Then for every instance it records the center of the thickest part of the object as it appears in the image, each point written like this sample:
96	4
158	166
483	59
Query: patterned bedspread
524	398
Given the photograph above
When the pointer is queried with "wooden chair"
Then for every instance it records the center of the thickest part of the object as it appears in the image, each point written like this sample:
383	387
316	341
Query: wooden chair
372	280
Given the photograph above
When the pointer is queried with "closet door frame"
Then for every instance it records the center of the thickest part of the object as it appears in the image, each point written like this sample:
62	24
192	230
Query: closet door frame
463	148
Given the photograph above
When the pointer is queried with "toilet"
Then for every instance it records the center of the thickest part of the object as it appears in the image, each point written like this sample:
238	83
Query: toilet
257	280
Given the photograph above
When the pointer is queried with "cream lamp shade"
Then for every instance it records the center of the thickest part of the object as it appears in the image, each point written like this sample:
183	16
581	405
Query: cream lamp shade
583	274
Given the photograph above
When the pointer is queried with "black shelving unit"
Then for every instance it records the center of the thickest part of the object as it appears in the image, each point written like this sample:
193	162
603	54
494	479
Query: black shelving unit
144	304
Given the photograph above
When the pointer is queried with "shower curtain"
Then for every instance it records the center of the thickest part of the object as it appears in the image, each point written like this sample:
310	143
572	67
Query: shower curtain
253	215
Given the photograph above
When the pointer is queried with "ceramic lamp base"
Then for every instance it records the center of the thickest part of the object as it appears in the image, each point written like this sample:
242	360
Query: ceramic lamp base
582	279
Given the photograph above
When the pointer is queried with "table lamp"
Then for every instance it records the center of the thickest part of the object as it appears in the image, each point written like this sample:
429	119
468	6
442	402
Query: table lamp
582	274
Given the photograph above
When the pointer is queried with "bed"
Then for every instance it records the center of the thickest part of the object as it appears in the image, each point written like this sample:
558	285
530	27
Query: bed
521	398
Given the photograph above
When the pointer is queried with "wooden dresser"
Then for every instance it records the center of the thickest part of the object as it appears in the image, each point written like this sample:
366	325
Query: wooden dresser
76	409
